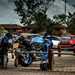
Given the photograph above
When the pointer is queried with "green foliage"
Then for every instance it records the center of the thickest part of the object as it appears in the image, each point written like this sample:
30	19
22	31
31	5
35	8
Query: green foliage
33	11
68	19
2	31
72	23
27	8
42	23
60	18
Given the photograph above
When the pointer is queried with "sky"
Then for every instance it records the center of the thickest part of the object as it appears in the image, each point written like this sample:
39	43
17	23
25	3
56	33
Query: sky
7	13
9	16
58	7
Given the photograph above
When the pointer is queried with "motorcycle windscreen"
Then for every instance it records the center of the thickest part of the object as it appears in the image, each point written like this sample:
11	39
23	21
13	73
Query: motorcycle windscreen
37	39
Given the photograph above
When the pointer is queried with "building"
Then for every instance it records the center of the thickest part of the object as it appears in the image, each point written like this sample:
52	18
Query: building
15	28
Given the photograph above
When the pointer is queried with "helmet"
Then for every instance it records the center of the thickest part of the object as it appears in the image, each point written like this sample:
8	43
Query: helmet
8	35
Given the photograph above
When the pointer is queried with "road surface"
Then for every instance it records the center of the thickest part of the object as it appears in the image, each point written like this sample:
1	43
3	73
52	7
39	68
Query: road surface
64	65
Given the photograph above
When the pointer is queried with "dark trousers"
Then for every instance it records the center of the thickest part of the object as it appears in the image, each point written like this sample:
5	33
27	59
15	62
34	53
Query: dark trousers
3	51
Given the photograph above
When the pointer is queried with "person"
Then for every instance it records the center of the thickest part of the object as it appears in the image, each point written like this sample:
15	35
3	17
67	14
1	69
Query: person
44	57
5	44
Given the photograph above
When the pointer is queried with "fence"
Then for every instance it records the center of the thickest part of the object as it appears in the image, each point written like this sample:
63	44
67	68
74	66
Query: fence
64	61
59	60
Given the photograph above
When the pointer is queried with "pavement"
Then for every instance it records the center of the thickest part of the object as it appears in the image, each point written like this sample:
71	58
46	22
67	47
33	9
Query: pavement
64	65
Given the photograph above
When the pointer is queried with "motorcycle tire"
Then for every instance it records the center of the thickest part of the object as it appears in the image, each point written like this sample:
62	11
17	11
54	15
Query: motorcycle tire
44	66
28	62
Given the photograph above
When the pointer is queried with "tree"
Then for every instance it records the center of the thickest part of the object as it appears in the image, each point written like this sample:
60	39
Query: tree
27	8
33	11
41	22
60	18
2	31
72	23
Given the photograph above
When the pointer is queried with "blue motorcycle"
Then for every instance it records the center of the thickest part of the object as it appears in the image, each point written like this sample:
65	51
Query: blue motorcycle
46	43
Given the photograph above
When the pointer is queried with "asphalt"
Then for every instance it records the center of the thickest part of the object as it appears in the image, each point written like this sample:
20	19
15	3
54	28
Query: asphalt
64	65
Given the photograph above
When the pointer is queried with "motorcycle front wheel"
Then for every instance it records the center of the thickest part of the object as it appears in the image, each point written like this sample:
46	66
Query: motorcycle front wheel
27	60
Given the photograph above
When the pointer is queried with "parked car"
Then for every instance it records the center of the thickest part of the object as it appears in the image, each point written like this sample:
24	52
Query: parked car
68	43
72	40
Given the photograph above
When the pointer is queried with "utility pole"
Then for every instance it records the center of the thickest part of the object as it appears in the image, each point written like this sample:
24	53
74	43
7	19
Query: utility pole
65	10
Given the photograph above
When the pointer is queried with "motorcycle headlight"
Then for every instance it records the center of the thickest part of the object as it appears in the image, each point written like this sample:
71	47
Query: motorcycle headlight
38	47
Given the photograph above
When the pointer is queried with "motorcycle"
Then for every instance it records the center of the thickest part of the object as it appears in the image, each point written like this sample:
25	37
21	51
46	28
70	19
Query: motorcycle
45	44
37	43
21	57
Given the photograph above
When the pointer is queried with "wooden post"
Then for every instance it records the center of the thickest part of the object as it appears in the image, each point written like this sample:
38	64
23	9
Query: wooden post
59	50
50	58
